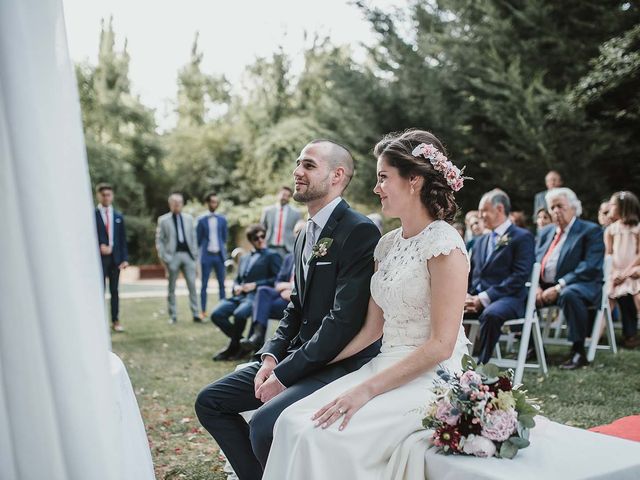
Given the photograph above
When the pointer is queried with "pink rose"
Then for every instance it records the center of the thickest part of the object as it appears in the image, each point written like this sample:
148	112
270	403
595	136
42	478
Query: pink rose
479	446
452	174
499	425
443	413
428	150
458	184
469	377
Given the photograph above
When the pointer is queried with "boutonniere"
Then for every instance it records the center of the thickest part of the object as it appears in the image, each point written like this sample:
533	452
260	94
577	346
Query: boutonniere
320	249
503	241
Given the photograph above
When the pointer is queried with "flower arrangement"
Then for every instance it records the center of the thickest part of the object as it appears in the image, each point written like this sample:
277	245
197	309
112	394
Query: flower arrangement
503	241
452	174
479	412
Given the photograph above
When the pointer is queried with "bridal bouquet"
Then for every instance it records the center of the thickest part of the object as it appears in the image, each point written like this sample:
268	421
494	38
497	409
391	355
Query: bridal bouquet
479	412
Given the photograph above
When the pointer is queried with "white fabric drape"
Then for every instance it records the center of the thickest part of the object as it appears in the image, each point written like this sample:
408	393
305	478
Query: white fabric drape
60	408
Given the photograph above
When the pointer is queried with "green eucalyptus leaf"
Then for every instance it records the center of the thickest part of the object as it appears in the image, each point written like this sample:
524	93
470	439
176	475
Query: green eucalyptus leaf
508	450
468	363
519	442
526	421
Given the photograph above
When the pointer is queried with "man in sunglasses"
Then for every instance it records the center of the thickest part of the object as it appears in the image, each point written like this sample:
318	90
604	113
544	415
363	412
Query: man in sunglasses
258	268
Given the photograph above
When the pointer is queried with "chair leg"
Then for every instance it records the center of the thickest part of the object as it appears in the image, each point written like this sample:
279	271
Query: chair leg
537	341
611	334
473	336
595	335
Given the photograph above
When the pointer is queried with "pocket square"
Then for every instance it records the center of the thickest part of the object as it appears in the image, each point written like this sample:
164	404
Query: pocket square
118	220
323	263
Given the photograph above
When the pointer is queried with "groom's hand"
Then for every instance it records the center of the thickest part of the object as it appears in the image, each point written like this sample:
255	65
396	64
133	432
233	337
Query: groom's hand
268	364
269	389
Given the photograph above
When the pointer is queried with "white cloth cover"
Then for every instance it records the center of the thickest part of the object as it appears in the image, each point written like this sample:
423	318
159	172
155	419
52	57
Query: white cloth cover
61	417
556	451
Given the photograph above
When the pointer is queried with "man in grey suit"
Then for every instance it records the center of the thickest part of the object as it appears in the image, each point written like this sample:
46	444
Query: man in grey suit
552	180
279	221
177	248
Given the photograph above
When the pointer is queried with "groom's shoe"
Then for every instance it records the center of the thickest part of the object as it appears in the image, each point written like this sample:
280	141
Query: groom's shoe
232	349
577	360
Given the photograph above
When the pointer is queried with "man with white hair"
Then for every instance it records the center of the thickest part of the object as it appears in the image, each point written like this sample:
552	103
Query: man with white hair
570	252
177	248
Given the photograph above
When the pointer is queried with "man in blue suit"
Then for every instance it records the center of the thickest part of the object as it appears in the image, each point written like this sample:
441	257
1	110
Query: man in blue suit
501	263
113	247
256	269
570	252
212	232
270	302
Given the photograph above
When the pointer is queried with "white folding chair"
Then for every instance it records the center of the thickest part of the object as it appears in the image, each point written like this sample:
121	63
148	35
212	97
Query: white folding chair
530	326
603	321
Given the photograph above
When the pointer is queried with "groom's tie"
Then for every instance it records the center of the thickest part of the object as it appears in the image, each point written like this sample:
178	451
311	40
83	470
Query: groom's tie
310	241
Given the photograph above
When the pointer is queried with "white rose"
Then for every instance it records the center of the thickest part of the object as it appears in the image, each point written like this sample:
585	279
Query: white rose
479	446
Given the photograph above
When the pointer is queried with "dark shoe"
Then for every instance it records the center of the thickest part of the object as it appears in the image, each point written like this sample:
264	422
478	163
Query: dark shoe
631	342
256	340
577	360
197	320
243	354
232	349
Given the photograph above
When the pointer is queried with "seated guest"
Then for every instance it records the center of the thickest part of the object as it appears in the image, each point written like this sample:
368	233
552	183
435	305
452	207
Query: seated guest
570	252
518	218
604	218
501	264
543	218
476	228
257	268
270	302
552	180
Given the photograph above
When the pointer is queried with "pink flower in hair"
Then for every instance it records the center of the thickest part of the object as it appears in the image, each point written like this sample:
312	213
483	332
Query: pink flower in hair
429	150
458	184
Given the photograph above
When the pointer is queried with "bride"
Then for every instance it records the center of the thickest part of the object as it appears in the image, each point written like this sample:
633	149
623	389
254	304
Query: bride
367	425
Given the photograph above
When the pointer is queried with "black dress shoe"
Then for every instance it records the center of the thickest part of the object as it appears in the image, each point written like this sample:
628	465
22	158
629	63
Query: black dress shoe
197	320
577	360
256	340
232	349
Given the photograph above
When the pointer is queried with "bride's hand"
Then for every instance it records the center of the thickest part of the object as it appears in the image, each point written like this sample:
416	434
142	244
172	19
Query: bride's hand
346	404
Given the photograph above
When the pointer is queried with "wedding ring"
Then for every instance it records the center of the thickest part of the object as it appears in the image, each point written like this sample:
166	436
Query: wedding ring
340	411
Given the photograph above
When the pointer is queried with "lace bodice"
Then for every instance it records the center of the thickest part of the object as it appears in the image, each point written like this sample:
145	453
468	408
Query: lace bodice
401	285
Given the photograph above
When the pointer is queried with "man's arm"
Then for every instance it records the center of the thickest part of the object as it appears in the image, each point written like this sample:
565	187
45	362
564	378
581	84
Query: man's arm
160	239
523	260
123	241
200	232
345	319
287	329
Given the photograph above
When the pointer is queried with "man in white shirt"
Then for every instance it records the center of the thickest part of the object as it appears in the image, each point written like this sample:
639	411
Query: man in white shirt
501	263
570	252
112	242
279	221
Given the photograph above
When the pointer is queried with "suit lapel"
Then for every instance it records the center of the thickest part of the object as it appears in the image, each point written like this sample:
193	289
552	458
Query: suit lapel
496	251
299	277
327	232
481	248
569	243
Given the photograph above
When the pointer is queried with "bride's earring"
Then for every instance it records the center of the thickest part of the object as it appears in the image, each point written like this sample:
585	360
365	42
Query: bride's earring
412	190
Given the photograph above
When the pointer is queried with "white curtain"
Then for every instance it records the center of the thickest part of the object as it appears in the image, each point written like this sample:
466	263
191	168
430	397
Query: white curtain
61	407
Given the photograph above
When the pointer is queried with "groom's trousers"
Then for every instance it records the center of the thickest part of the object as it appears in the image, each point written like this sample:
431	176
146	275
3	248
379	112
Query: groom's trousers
247	446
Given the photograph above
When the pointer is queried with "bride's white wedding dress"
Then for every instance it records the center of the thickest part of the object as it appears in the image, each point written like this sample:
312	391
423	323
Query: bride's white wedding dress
385	438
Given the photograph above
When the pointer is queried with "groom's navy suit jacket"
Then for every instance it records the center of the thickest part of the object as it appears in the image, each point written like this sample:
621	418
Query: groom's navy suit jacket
504	274
202	233
328	308
119	252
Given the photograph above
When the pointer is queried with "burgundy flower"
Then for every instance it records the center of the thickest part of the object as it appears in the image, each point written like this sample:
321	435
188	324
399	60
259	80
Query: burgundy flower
448	438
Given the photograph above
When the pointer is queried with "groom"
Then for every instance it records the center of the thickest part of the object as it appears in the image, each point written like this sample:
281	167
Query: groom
327	309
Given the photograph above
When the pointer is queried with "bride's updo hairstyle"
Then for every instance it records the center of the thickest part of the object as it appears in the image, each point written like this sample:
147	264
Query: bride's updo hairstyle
436	194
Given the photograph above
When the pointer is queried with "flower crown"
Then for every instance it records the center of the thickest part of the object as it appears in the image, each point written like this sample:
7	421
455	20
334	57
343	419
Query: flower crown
451	173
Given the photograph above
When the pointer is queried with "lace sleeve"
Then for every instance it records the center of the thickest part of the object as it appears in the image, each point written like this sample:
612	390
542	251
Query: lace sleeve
443	239
384	245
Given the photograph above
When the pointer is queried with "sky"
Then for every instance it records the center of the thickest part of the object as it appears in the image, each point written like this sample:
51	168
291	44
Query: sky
232	35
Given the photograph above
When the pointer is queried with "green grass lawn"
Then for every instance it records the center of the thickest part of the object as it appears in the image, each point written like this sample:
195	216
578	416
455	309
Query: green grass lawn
168	364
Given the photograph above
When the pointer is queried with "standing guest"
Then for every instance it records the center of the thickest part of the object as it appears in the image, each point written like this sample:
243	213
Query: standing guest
570	253
501	264
279	221
258	268
177	248
270	302
543	218
603	214
112	240
622	242
212	237
552	180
